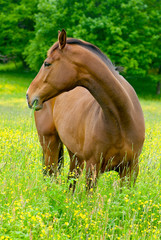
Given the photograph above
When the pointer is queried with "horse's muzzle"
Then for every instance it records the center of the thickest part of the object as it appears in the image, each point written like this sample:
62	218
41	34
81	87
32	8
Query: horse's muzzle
34	104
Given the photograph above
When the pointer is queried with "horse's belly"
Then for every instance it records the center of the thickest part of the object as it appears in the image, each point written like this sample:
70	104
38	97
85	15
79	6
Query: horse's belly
81	126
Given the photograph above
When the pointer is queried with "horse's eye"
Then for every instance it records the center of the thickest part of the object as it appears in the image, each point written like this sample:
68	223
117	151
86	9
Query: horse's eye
46	64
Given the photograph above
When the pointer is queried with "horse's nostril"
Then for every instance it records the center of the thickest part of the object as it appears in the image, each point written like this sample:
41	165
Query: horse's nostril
27	96
35	103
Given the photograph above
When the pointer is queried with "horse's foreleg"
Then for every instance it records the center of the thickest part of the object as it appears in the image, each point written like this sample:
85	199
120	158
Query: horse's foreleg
52	147
76	168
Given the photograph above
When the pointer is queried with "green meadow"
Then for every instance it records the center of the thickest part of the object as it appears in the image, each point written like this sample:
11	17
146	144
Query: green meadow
33	207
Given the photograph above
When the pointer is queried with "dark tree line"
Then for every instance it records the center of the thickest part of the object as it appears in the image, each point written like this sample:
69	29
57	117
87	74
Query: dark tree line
128	31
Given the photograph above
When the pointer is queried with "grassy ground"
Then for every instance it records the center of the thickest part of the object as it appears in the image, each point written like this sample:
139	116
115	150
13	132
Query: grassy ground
34	208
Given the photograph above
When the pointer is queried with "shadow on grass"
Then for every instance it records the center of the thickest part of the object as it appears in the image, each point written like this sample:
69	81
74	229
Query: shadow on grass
145	87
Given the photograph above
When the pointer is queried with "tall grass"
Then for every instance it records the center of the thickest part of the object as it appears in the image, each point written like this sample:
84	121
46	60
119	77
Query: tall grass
32	207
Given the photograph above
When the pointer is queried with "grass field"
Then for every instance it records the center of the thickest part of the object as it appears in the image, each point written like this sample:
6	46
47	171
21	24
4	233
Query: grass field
34	208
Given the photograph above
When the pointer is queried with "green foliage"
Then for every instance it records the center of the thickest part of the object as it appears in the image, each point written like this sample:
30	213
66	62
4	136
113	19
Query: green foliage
17	26
127	31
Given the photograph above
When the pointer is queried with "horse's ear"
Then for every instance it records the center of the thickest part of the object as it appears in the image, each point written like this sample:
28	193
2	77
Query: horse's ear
62	37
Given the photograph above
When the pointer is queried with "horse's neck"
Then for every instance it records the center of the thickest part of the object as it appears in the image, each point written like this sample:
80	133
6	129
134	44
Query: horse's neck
108	91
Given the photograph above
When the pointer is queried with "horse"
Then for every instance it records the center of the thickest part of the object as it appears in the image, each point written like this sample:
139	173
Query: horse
81	101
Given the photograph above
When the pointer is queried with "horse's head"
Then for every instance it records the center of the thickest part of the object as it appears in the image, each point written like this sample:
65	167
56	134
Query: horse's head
56	75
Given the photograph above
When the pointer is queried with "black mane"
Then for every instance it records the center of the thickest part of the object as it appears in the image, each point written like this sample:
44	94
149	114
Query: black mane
93	49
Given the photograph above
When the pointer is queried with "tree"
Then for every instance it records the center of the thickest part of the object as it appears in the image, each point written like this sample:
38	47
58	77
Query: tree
17	27
127	31
154	13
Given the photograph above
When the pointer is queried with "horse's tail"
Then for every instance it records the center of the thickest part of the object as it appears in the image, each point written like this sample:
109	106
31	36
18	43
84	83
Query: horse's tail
61	158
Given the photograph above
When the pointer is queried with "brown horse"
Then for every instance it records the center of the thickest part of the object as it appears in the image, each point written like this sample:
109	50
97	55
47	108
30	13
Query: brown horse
90	108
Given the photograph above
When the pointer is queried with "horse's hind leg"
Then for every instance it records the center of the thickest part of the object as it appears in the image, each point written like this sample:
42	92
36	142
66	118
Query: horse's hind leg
61	158
52	153
92	171
76	168
128	173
